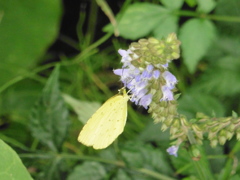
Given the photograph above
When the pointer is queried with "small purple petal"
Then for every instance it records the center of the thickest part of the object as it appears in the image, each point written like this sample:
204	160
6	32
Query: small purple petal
170	78
149	68
156	74
146	100
173	150
165	66
118	72
167	94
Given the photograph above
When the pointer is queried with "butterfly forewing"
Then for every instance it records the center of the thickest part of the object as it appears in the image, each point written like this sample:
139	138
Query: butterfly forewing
106	124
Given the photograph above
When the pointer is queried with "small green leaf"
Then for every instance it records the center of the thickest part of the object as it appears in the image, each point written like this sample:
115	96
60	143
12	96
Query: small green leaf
191	3
27	29
121	175
195	101
173	4
11	166
49	118
196	36
88	171
166	26
206	6
140	19
83	109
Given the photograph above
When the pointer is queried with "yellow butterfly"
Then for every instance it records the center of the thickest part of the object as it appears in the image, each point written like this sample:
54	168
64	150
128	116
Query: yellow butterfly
107	123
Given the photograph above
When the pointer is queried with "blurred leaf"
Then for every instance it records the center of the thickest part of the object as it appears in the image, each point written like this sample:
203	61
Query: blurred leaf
194	101
27	29
173	4
121	175
167	26
229	8
191	3
222	77
11	166
49	118
196	36
84	109
152	132
140	19
206	6
88	171
26	92
139	155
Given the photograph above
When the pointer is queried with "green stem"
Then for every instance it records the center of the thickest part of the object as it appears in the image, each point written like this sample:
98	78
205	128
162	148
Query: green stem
208	16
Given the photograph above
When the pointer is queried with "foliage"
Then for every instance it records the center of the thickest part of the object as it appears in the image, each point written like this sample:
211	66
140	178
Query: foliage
48	92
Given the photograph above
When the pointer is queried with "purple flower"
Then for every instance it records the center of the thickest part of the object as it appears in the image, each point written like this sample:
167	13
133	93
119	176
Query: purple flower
167	94
170	78
173	150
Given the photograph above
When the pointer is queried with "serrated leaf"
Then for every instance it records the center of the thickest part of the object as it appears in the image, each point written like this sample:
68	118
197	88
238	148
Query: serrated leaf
140	19
84	109
195	101
24	40
226	83
167	26
49	117
206	6
196	36
11	166
173	4
88	171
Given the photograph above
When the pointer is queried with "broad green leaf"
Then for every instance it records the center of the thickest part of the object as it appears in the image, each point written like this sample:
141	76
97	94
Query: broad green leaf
49	117
194	101
83	109
206	6
196	36
222	77
11	166
173	4
27	28
88	171
167	26
140	19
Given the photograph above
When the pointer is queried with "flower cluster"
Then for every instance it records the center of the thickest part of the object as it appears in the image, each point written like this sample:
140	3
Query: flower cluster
145	73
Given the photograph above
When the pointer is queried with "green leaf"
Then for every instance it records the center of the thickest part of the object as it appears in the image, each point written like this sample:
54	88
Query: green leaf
27	29
121	175
139	155
173	4
206	6
88	171
231	9
167	26
140	19
226	83
195	101
11	166
191	3
84	109
196	36
49	117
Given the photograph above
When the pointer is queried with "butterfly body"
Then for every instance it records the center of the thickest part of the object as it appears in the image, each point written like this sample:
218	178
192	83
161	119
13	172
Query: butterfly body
107	123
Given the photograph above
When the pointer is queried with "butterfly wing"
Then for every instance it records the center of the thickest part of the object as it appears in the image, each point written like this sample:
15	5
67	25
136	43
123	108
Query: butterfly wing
106	124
